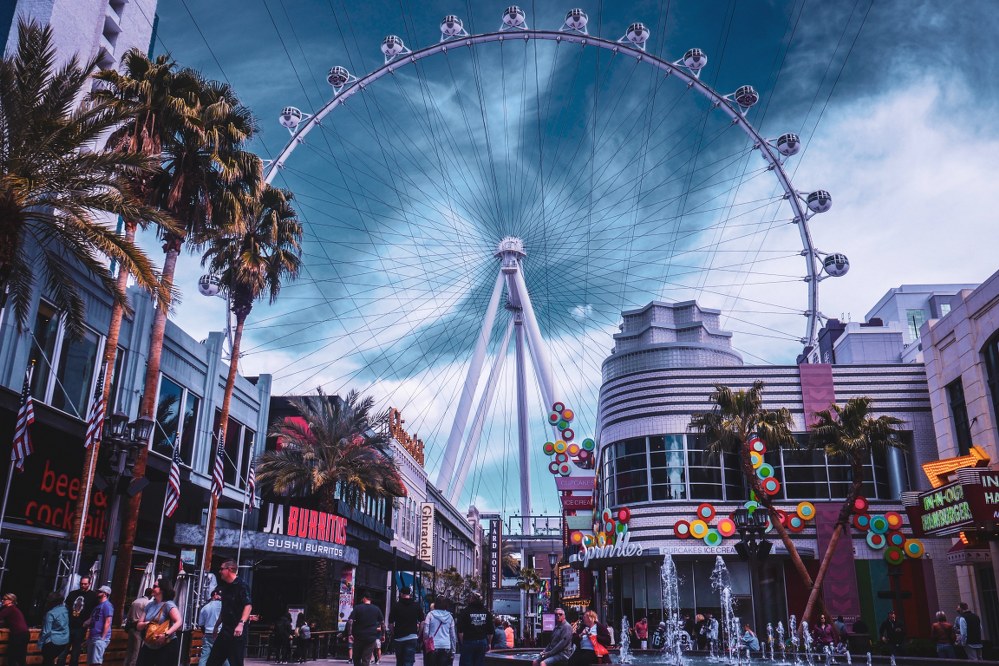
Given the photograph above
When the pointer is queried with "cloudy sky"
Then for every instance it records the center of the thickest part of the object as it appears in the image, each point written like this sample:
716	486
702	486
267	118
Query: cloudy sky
625	186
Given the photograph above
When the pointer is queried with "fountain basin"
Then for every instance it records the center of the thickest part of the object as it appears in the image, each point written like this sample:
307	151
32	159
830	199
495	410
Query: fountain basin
524	657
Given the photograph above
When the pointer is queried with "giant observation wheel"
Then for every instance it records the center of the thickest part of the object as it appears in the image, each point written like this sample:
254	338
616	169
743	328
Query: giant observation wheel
530	184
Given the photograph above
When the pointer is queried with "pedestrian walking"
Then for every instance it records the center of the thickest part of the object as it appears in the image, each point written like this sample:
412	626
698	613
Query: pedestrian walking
17	640
475	629
591	641
136	612
511	636
942	634
405	619
499	634
969	631
282	637
99	625
303	637
365	625
560	647
160	628
53	639
80	604
230	643
440	637
642	633
208	619
892	634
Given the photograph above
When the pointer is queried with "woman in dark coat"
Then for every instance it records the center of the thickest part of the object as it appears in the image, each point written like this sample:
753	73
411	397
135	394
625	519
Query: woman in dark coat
592	641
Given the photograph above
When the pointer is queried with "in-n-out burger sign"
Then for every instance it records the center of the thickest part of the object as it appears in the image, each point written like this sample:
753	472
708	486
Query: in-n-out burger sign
623	548
293	521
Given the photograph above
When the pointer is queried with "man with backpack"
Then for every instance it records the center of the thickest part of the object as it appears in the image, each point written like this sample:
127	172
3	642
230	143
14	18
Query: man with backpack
969	632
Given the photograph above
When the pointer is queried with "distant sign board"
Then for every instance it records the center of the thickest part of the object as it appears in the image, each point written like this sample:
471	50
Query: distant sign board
426	552
187	534
574	482
548	622
495	553
570	583
577	502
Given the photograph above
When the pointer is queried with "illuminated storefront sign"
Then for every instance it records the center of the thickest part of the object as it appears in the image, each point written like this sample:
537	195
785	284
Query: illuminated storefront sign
495	553
293	521
971	502
426	553
622	549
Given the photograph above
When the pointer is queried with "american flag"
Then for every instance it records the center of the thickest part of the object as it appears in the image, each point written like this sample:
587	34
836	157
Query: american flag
25	417
173	484
251	487
218	480
95	422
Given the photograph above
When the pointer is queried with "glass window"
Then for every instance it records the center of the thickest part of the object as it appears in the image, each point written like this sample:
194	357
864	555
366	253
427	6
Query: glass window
167	416
189	426
246	456
915	319
991	358
119	367
77	361
43	347
959	415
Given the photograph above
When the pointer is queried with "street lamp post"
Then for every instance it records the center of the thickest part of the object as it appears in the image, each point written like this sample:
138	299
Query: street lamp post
552	597
753	548
126	439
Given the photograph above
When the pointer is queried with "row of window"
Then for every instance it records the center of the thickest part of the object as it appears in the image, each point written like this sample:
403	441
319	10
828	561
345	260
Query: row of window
65	377
406	519
677	467
958	405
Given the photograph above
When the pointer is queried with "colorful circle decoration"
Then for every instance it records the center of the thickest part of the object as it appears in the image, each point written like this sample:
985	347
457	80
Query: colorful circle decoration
553	467
576	538
896	539
584	456
894	520
568	434
752	505
765	471
862	521
712	538
726	527
567	414
623	514
589	444
622	529
914	548
607	516
756	459
706	512
894	555
554	418
860	505
558	407
681	529
609	526
795	523
564	469
560	446
879	524
561	458
782	517
756	445
549	448
698	529
562	424
602	539
572	450
589	540
806	510
771	486
876	541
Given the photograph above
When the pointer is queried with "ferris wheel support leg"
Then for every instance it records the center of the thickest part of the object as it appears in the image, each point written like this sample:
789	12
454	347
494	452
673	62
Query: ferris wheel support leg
445	474
539	352
485	405
523	427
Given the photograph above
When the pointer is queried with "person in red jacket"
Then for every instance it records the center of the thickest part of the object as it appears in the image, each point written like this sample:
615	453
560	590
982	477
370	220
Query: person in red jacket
12	618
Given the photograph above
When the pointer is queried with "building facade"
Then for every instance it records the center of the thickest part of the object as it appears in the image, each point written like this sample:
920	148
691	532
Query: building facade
651	463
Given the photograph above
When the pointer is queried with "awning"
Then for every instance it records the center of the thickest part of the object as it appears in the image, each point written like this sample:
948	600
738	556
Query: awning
965	554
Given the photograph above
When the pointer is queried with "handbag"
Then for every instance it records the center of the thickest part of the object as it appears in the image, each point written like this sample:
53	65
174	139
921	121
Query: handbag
156	631
428	641
598	649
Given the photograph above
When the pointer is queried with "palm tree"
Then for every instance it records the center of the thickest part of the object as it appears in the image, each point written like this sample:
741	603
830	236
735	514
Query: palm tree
52	183
529	581
849	433
737	415
204	168
339	445
249	264
156	101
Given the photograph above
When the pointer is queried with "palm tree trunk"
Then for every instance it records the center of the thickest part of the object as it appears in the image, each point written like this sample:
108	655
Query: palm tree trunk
230	384
110	353
320	591
841	526
126	541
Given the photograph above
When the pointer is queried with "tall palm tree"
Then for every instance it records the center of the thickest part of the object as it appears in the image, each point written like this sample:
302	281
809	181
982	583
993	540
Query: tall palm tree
156	101
204	167
249	264
849	433
338	445
53	183
735	418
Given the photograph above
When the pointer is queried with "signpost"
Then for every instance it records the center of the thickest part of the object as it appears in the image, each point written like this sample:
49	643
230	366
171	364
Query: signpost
426	553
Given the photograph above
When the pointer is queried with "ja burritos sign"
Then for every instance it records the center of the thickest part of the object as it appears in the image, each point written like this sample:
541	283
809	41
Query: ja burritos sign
623	548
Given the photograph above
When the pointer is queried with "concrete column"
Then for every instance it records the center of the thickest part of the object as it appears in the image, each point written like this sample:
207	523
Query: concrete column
896	472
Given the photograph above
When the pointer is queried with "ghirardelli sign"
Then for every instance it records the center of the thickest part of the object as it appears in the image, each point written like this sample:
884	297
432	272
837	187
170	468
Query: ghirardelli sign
426	553
293	521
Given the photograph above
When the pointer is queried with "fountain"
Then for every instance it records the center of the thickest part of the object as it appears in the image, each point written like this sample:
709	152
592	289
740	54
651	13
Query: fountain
806	641
671	611
721	582
868	659
794	638
783	645
625	653
770	640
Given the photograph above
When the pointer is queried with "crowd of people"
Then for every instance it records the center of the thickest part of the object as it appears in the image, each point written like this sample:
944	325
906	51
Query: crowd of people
81	623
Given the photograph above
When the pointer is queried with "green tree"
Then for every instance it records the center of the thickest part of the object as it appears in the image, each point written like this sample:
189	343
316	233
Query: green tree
53	184
849	433
250	263
205	175
338	448
529	581
735	418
